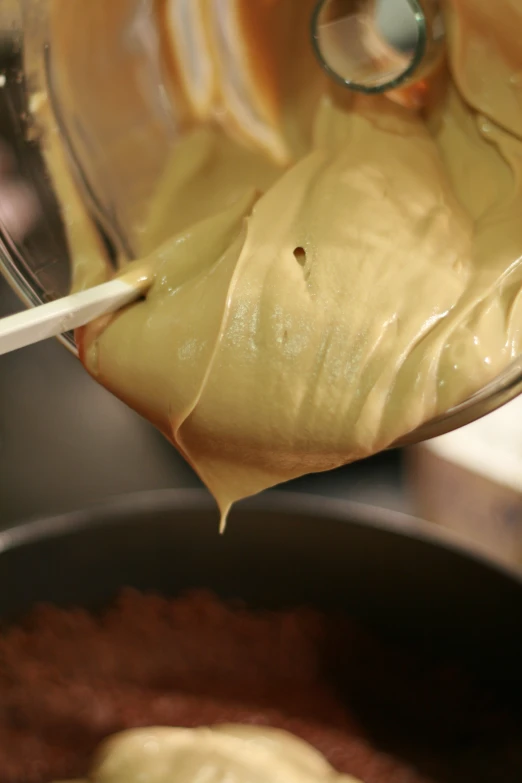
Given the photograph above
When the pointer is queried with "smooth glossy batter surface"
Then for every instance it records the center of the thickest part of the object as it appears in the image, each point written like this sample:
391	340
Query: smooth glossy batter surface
331	270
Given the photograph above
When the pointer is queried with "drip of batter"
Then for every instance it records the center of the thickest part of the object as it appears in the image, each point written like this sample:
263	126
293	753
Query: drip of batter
237	754
331	270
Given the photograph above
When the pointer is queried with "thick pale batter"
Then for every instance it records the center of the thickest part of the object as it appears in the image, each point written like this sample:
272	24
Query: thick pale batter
231	754
331	270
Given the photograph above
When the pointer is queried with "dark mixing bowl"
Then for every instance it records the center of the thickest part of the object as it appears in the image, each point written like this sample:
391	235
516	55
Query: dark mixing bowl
410	583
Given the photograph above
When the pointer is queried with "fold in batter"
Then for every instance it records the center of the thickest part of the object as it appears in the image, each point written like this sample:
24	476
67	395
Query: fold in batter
331	270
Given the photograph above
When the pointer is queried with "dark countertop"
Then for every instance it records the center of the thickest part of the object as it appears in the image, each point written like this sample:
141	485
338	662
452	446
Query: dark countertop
66	443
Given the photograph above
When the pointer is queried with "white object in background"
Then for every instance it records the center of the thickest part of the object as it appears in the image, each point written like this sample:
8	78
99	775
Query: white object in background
70	312
470	481
491	446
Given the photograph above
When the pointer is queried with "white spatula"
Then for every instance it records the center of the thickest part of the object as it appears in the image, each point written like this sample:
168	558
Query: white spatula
55	318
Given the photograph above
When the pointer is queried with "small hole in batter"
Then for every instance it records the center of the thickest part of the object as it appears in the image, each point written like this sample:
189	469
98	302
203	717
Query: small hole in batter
300	255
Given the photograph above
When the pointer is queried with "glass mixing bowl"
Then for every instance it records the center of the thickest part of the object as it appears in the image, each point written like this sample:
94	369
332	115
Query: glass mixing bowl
118	148
116	155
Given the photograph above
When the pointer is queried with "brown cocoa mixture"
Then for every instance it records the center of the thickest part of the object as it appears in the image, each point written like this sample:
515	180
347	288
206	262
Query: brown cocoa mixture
69	678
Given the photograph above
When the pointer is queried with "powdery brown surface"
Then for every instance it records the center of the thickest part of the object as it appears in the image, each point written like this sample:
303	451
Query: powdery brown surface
69	678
